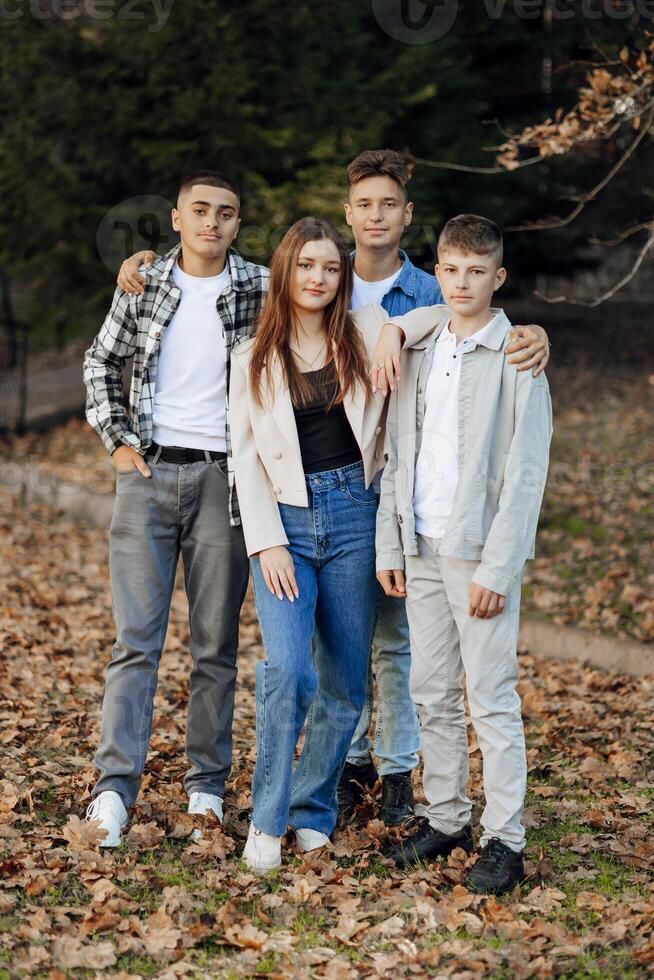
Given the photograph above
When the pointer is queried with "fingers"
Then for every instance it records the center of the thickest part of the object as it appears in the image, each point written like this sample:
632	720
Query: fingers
385	579
396	367
275	584
484	604
136	284
400	583
148	258
293	582
522	348
378	378
473	601
382	379
289	587
267	577
129	280
391	372
543	364
143	467
532	361
281	582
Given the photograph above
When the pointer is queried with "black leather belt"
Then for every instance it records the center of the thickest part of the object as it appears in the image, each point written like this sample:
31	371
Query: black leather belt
181	455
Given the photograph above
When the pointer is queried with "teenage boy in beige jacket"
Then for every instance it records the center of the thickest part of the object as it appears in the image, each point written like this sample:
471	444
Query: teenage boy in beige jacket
468	445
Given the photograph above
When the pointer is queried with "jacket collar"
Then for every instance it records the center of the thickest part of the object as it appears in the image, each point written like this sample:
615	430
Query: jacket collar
494	333
238	270
406	280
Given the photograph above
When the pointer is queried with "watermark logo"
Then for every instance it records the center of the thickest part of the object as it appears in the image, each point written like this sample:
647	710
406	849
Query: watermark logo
134	225
415	21
422	21
151	15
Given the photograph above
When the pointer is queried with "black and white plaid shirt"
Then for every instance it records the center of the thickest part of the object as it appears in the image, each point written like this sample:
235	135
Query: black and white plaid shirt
134	327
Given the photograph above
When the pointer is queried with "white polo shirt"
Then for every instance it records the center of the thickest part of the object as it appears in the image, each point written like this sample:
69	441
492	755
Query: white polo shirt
437	468
189	393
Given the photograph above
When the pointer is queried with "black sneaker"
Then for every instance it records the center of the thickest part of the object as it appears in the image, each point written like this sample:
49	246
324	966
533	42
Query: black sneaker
497	870
428	843
354	781
397	799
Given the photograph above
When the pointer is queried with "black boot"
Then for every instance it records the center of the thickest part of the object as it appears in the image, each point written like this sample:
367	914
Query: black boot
428	843
354	781
497	870
397	799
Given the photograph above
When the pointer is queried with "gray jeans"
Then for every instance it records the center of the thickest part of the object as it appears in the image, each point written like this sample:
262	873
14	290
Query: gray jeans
180	509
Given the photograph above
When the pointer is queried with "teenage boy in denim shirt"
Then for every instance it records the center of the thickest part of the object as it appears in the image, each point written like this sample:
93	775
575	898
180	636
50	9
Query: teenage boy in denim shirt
378	211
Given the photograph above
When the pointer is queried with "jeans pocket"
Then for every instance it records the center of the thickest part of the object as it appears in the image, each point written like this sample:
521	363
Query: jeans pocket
221	464
355	490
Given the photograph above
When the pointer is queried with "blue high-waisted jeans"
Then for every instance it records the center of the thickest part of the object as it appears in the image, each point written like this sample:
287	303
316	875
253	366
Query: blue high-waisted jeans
332	542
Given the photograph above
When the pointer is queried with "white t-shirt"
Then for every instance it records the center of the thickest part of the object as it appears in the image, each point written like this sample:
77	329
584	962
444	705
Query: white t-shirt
364	292
437	468
189	394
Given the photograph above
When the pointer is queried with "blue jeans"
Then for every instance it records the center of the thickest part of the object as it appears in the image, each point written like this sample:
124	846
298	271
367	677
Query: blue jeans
397	733
332	542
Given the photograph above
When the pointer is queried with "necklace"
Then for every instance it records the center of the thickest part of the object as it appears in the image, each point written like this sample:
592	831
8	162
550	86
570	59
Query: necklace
310	363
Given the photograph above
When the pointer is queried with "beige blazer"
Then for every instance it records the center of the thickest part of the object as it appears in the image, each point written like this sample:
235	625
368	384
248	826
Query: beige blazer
265	444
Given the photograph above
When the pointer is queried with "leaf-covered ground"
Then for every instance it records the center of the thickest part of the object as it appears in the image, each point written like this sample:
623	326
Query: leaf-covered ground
164	906
594	563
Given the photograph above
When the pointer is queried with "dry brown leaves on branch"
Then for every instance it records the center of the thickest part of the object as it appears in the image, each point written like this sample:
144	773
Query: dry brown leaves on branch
611	97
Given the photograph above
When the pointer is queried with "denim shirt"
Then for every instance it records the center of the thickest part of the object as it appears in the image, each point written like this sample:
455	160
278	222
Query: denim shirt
411	289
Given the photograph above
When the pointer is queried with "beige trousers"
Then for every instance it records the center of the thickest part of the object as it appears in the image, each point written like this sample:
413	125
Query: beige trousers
446	645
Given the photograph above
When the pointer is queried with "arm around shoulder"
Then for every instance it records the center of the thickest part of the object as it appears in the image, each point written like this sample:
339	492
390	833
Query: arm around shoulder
420	323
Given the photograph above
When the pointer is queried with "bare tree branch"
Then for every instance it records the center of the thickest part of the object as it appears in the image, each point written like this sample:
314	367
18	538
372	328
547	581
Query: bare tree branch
614	289
444	165
591	194
625	234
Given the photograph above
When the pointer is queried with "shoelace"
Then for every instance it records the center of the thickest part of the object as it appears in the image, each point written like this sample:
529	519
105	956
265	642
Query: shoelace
92	809
494	855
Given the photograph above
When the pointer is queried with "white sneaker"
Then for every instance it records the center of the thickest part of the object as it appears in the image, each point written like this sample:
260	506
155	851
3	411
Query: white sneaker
110	810
262	852
309	840
201	803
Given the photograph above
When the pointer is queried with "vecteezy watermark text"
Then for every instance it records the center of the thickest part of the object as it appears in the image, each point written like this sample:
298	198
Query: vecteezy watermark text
151	14
422	21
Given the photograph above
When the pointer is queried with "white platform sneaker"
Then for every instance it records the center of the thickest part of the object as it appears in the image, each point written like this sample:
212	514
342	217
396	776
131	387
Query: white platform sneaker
310	840
262	852
201	803
110	810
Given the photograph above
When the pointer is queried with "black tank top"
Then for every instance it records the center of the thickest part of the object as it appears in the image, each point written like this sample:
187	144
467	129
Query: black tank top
326	438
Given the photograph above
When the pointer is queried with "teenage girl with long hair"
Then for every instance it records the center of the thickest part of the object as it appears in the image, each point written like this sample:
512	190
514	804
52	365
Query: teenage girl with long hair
307	433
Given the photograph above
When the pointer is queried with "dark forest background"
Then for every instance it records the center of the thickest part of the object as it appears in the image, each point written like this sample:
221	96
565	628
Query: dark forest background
96	112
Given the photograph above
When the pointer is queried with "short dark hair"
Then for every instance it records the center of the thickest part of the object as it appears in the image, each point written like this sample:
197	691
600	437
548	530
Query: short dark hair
211	178
472	233
381	163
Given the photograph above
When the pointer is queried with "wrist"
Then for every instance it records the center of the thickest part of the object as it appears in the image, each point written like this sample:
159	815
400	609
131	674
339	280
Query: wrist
398	329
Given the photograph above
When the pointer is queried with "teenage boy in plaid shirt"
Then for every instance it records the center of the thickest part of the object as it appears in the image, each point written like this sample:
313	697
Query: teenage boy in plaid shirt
174	493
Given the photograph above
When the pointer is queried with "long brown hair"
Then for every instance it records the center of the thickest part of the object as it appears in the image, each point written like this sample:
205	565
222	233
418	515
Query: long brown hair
345	349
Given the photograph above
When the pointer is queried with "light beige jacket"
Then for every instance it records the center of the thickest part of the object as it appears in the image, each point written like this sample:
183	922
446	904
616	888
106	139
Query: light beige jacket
265	444
505	427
